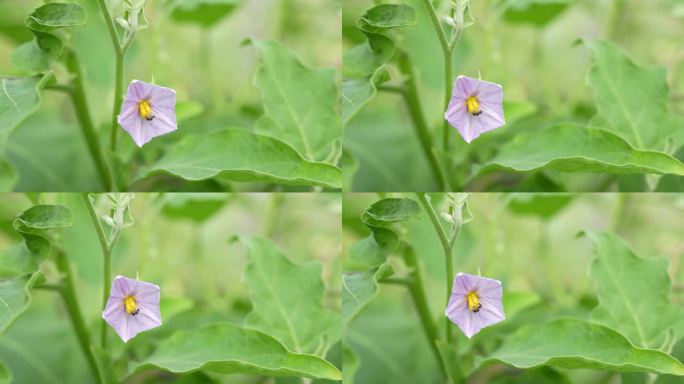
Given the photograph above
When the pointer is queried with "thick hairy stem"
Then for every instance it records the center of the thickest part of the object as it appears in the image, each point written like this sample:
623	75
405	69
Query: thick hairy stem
413	103
68	293
79	99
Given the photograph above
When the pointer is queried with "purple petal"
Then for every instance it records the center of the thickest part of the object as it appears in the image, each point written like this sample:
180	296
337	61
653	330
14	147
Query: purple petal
163	104
489	293
490	98
147	297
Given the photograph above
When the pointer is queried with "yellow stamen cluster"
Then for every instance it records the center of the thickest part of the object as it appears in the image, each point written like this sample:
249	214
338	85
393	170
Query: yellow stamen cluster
145	110
131	305
473	106
473	301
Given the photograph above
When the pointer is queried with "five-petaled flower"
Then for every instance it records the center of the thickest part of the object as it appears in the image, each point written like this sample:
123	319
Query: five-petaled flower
476	107
132	307
148	111
475	303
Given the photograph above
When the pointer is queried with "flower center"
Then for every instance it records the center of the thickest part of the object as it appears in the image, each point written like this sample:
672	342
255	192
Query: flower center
131	305
473	106
145	110
473	301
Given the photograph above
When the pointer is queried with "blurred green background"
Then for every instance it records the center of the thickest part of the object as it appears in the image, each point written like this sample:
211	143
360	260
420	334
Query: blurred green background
531	50
180	242
202	58
530	243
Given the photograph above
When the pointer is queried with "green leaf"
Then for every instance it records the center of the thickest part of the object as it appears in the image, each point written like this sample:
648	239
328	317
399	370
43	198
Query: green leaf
631	100
356	93
242	156
56	15
543	205
194	206
37	55
385	16
300	103
573	343
5	373
206	13
543	375
42	217
227	348
359	288
382	242
350	364
574	148
18	260
535	12
364	59
19	98
633	292
287	299
15	298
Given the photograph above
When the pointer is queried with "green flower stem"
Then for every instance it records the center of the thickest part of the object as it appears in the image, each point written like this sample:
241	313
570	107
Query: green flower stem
616	14
119	53
413	102
447	50
79	99
68	293
447	249
420	301
106	261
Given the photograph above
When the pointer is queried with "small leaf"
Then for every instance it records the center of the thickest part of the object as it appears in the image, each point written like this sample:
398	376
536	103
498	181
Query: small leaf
632	101
573	343
535	12
543	205
37	55
633	292
300	103
359	288
19	260
206	13
364	59
573	148
194	206
287	299
56	15
227	348
242	156
15	298
385	16
382	242
356	93
40	217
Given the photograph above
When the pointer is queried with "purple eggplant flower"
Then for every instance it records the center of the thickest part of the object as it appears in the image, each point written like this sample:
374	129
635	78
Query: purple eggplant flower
475	303
148	111
475	107
132	307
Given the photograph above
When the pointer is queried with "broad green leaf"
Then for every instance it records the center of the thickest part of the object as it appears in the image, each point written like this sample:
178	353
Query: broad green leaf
633	292
242	156
385	16
574	148
356	93
574	343
542	375
374	249
536	12
227	348
15	298
206	13
631	100
19	98
350	364
287	299
543	205
41	217
5	374
364	59
194	206
56	15
18	259
358	288
300	103
37	55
